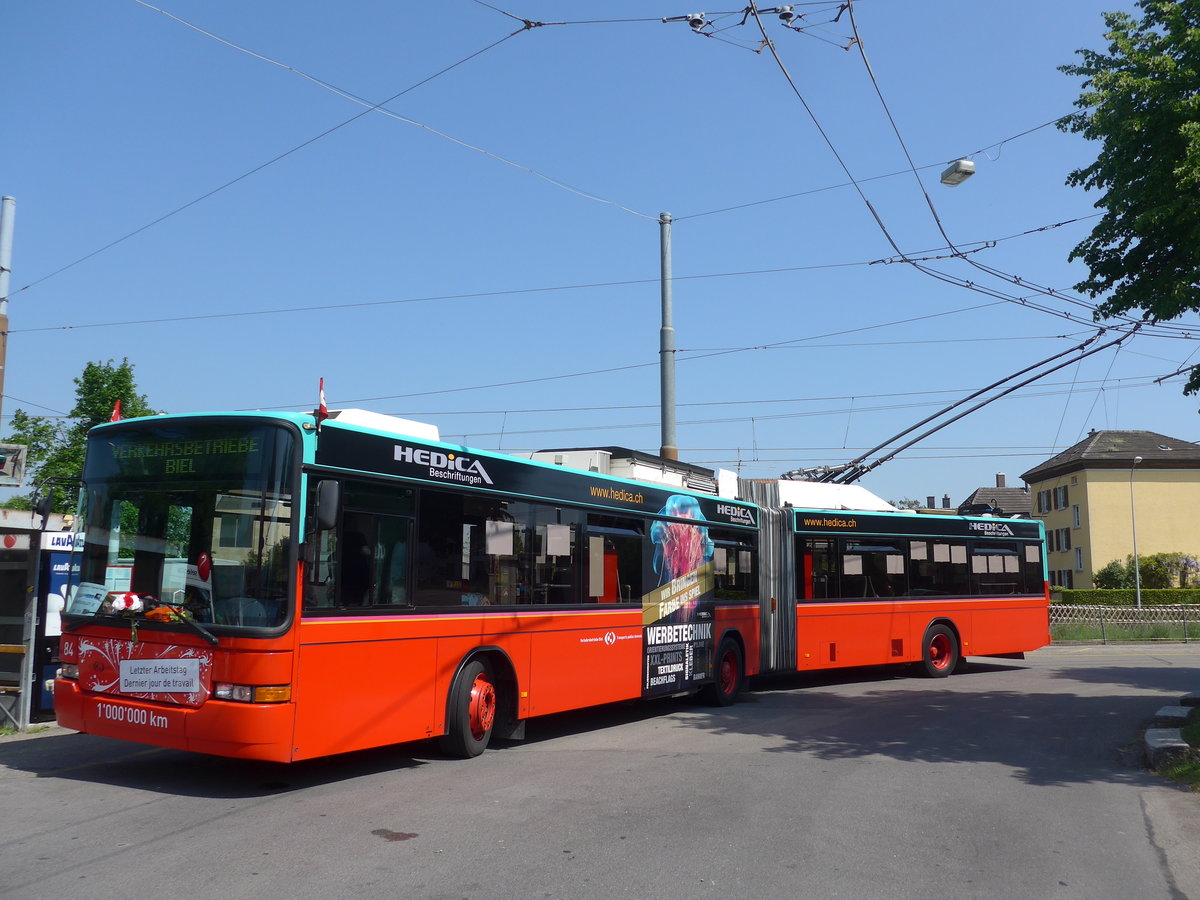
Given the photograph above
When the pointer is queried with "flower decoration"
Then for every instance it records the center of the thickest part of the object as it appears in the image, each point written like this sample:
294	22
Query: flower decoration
125	603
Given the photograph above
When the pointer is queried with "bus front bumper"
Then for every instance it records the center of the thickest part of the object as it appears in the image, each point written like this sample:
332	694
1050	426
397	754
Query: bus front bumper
221	728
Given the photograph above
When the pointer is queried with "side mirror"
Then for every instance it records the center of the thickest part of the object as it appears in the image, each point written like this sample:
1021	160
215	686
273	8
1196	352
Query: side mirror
329	498
45	506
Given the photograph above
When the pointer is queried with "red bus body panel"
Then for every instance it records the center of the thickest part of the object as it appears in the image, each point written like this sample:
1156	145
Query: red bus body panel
872	633
369	682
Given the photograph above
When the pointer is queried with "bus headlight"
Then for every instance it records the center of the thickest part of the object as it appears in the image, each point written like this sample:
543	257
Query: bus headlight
247	693
69	671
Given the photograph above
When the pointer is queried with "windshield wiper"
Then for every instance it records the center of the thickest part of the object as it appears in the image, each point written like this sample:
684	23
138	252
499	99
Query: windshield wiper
181	616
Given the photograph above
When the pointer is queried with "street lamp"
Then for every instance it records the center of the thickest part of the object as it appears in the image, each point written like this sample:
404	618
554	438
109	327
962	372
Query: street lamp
1137	569
958	172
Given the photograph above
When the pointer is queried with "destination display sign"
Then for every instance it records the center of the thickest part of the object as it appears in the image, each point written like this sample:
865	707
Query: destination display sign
184	451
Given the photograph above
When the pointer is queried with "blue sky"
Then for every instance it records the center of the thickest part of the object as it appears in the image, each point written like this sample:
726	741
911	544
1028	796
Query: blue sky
483	253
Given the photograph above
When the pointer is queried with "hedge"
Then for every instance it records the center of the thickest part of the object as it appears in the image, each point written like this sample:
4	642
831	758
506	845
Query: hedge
1124	597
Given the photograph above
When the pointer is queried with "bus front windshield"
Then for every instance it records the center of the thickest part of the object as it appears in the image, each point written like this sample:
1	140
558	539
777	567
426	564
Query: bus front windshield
186	520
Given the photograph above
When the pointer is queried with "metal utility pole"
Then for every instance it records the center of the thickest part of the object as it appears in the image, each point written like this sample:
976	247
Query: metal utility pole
668	450
1137	565
8	210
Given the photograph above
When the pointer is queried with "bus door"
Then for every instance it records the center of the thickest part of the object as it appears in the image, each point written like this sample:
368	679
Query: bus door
362	687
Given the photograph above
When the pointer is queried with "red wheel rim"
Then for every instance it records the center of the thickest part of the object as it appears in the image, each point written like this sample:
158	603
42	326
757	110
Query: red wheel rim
727	673
482	710
939	651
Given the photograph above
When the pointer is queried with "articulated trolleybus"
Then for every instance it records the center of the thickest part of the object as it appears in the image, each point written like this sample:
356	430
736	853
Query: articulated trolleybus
268	587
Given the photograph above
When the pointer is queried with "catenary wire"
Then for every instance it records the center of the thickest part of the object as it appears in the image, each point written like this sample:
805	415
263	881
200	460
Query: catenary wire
518	291
927	270
377	108
997	273
708	355
845	184
806	414
260	167
1133	382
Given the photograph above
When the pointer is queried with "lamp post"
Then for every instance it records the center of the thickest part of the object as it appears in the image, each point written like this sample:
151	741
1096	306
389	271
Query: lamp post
1137	569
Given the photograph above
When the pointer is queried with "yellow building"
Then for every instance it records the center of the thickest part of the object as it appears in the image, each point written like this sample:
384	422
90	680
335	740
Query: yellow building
1112	490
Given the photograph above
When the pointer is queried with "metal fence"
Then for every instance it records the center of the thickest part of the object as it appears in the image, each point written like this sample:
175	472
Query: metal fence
1177	622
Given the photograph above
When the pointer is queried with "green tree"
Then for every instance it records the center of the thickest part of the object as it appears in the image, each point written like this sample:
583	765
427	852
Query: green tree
1159	571
1113	576
1141	100
1168	570
56	448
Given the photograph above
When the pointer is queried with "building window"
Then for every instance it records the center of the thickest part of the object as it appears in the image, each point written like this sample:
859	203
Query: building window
1063	578
1043	502
1063	539
1075	517
1078	559
1059	540
1060	497
236	531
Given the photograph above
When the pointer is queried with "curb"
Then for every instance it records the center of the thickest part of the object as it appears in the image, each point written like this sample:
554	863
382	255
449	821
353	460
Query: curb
37	730
1165	744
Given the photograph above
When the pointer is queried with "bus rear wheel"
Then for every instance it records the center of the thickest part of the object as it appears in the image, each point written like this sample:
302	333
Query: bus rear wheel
472	711
939	652
730	673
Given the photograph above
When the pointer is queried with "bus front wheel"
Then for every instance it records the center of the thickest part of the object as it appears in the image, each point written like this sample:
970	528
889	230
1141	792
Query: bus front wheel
729	675
939	652
472	711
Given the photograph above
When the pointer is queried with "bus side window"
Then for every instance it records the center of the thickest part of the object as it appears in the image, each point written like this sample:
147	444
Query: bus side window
816	569
616	557
364	562
734	559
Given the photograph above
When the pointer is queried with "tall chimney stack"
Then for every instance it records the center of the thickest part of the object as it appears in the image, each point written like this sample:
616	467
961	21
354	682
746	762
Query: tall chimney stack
999	479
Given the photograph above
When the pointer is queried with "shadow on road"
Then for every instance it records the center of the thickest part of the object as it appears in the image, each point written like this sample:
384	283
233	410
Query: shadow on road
1045	738
97	760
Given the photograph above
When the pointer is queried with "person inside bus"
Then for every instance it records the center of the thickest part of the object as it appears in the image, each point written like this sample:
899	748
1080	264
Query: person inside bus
356	569
877	582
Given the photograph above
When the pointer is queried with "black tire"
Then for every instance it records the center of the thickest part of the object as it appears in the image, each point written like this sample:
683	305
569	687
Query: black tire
939	652
729	675
471	711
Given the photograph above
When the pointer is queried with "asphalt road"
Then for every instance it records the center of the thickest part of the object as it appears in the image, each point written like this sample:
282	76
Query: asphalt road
1018	780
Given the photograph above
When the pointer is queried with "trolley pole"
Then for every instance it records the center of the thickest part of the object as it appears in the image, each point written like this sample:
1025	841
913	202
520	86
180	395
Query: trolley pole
668	450
8	209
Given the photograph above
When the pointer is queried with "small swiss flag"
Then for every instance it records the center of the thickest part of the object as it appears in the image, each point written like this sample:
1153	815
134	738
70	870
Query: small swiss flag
322	410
